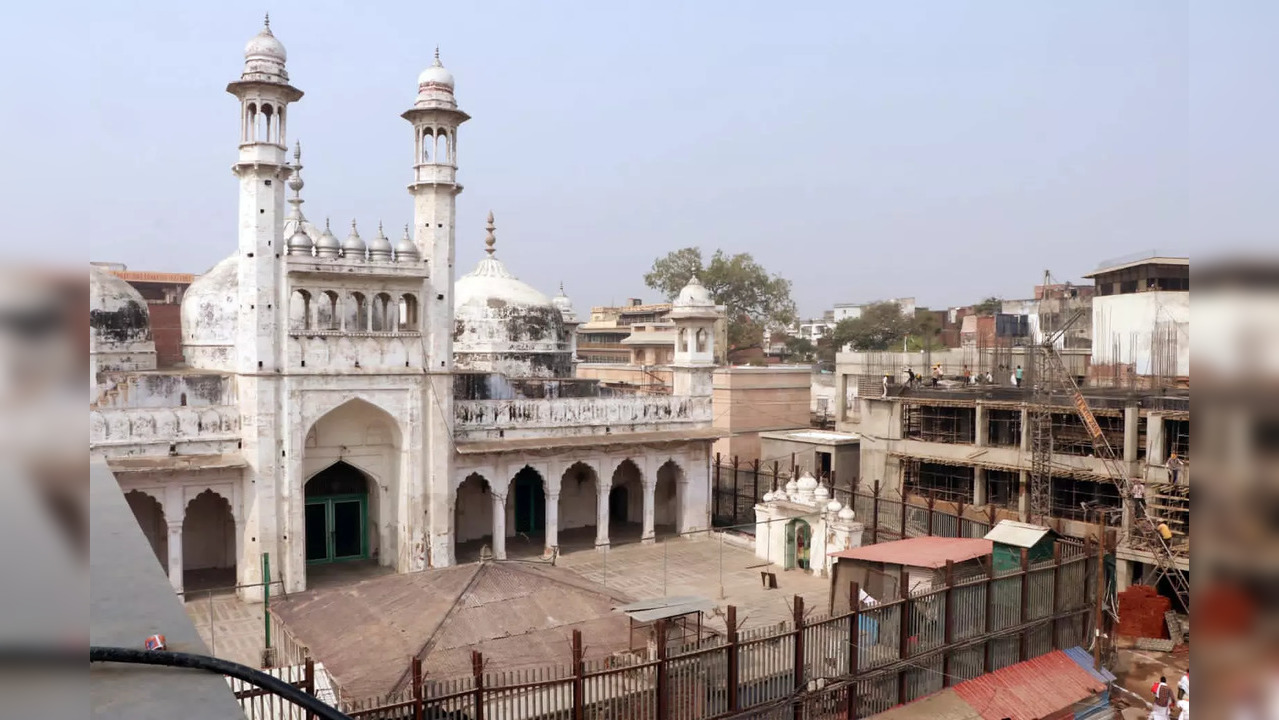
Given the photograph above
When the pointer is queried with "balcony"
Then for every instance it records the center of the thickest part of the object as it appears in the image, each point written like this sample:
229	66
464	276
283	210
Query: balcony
524	417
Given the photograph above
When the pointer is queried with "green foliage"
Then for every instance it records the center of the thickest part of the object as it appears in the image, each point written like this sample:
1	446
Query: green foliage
801	349
924	334
752	298
990	306
882	326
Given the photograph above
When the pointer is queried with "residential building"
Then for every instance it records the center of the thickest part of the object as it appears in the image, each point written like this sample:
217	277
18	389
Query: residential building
1141	322
849	311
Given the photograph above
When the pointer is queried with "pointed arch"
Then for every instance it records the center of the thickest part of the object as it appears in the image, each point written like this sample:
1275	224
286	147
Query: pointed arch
628	484
148	510
209	547
579	489
668	495
473	510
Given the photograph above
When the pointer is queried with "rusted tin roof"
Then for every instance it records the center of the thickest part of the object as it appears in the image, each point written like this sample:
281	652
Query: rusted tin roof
926	552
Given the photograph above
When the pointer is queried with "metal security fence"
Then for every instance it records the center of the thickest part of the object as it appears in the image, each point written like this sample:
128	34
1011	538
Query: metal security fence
847	665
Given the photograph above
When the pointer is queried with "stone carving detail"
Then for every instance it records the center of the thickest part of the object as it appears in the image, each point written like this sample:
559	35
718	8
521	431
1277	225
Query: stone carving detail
565	412
147	425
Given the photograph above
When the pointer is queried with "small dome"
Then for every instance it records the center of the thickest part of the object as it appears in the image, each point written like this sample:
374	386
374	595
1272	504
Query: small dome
328	245
405	250
380	247
694	294
792	487
565	306
847	513
768	497
210	316
807	483
834	506
300	243
353	247
265	46
821	492
435	76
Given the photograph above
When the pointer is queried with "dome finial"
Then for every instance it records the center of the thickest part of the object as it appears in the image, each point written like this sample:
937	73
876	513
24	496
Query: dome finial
297	151
490	239
437	57
266	23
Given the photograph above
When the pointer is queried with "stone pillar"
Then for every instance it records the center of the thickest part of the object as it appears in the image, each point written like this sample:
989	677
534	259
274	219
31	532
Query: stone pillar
1023	496
979	486
499	526
1155	440
601	515
175	555
552	521
983	427
650	501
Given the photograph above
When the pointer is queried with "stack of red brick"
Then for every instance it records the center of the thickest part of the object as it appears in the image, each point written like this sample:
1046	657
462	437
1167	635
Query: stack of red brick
1141	613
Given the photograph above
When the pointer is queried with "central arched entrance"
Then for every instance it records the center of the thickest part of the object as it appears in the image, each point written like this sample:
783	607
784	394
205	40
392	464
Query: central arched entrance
337	507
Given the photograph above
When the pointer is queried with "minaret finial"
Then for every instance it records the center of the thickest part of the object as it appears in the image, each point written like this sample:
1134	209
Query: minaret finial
490	240
326	225
266	22
352	224
379	227
561	287
437	57
297	152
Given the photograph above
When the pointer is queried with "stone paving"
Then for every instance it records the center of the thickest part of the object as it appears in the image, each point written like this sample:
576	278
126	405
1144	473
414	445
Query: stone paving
706	566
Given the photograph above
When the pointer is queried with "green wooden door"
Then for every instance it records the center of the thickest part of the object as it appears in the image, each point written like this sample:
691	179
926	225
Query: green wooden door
336	528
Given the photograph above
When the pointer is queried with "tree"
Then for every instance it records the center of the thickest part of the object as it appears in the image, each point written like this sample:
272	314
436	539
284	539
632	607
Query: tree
925	331
881	326
801	348
990	306
752	298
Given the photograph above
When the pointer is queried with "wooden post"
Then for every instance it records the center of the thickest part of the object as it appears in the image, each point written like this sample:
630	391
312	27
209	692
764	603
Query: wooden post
903	649
991	514
663	684
579	678
990	616
308	680
735	461
477	670
1101	589
1025	603
755	479
874	527
799	655
854	648
959	519
948	622
416	668
777	470
932	502
733	702
1056	608
904	504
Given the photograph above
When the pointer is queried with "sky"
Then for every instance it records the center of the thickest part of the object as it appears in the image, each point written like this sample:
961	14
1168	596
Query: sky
943	150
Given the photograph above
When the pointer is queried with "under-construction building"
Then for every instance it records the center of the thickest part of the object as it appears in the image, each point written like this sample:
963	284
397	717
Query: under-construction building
970	446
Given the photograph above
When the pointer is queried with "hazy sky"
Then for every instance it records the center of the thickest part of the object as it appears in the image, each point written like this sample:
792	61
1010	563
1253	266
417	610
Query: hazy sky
946	150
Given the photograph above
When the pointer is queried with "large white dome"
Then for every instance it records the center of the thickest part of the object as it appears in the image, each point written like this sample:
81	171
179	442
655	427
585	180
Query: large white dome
504	325
210	316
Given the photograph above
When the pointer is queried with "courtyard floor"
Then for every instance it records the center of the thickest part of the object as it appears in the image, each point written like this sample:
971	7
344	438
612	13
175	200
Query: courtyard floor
705	566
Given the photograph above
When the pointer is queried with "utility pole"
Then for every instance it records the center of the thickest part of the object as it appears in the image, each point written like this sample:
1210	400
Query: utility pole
1101	588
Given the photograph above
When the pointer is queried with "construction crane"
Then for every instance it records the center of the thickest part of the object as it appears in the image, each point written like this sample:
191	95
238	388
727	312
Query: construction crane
1050	379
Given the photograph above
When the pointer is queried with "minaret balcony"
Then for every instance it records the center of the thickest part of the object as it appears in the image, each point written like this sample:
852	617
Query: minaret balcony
261	153
432	174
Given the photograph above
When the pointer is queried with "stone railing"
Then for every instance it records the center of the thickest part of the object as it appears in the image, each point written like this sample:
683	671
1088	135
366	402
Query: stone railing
160	431
476	419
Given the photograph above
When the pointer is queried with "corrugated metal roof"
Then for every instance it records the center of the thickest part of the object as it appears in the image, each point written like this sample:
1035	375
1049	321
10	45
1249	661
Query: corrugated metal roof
945	705
659	608
1028	690
1017	534
927	552
1083	659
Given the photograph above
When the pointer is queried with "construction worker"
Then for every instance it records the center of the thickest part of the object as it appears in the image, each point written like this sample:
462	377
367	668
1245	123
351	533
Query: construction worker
1162	705
885	386
1175	464
1017	376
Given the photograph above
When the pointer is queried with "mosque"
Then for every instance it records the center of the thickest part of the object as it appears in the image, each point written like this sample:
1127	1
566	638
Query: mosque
347	400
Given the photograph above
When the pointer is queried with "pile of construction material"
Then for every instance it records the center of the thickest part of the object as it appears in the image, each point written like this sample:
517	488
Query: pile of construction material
1147	616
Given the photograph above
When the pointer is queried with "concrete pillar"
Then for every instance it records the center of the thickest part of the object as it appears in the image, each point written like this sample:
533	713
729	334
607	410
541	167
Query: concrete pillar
1132	418
175	555
552	521
1025	430
1155	440
499	526
979	486
1023	496
841	396
650	500
983	426
601	515
1123	575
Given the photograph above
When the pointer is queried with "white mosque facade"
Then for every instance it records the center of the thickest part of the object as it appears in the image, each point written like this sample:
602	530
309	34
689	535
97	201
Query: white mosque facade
347	399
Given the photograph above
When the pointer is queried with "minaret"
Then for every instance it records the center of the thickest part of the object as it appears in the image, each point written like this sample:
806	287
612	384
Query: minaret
436	118
264	93
694	313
